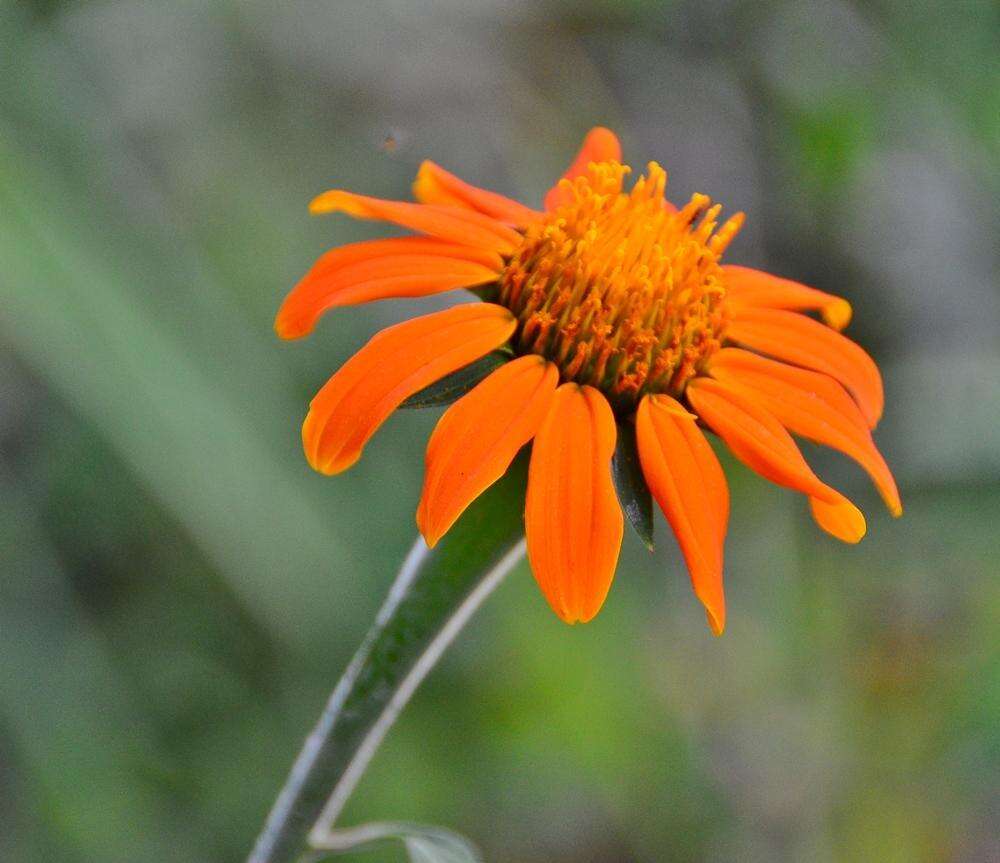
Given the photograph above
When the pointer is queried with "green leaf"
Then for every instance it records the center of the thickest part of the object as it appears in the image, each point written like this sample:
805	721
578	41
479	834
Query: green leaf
423	844
452	387
633	493
434	595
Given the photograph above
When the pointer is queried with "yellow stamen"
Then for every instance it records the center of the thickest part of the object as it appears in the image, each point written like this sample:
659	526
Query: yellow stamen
618	290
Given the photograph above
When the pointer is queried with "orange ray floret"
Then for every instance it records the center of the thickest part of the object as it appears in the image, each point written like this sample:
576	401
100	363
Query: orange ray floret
809	404
599	145
800	340
757	439
477	438
573	521
747	287
354	253
447	223
435	185
396	363
381	278
344	276
687	482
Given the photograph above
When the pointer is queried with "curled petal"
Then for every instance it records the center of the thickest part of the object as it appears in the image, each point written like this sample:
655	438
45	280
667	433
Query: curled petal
573	521
448	223
748	287
599	145
687	481
809	404
757	439
435	185
396	363
477	438
800	340
377	278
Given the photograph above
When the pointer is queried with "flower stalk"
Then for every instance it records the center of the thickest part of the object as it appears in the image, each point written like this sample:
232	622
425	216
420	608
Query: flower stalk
435	594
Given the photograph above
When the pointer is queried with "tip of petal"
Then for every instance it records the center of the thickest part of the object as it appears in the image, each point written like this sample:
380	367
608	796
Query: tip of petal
424	187
838	314
326	463
333	201
573	617
843	520
287	328
431	537
890	494
716	621
575	612
605	142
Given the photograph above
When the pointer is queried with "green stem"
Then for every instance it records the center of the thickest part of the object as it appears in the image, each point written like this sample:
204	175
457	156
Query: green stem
433	597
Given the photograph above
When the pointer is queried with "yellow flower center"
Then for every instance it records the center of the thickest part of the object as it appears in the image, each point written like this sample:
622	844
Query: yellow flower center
618	289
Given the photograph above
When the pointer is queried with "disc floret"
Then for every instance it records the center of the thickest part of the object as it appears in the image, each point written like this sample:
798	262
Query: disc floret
619	289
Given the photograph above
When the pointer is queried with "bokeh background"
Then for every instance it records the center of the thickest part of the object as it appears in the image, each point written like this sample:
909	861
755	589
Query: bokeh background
178	592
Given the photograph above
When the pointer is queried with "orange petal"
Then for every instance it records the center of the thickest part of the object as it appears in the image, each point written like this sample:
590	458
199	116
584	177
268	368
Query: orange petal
477	438
435	185
687	481
761	442
396	363
377	278
747	287
797	339
448	223
809	404
572	517
600	145
842	520
352	253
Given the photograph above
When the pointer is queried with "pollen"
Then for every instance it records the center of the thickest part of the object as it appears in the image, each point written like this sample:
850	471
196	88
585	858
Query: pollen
619	289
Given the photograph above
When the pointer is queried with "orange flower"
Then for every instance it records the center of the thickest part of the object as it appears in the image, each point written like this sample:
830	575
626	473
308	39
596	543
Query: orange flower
616	318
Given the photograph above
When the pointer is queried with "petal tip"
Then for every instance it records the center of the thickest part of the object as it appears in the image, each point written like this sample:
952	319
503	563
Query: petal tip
337	200
604	141
322	203
430	539
423	182
838	314
421	519
288	329
431	532
326	463
842	520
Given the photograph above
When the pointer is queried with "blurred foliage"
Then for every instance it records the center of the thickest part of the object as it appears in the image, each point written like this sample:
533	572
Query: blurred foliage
179	593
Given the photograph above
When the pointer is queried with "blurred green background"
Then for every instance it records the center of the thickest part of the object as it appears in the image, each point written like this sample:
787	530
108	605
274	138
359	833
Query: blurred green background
178	592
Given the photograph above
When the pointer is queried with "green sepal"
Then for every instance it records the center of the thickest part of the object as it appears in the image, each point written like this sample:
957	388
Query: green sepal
452	387
633	493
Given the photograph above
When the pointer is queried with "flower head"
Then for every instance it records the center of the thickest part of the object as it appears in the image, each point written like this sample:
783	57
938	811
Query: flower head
617	317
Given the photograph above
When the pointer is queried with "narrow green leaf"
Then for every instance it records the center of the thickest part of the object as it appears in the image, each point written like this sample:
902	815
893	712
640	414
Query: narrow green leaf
452	387
423	844
440	849
633	493
435	593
